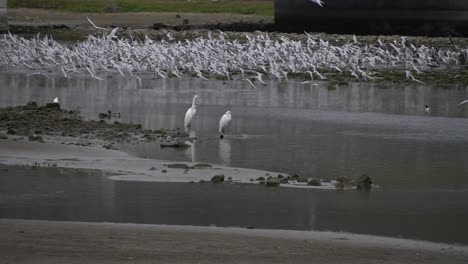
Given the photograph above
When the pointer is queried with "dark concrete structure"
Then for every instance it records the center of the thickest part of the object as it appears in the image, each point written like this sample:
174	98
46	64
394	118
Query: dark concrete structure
3	16
416	17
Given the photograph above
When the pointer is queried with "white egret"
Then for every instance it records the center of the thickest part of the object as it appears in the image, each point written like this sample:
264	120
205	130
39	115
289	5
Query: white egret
223	122
463	102
190	113
56	100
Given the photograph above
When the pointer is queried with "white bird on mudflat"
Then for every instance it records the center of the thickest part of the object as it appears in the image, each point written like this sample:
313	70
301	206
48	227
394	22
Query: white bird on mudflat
223	122
463	102
190	113
56	100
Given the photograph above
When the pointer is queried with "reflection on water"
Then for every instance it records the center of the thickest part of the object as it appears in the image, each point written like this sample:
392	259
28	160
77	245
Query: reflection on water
420	160
225	151
69	195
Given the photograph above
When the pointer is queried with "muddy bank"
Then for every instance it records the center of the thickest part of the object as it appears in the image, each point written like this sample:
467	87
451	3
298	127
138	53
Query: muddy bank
40	123
74	26
71	242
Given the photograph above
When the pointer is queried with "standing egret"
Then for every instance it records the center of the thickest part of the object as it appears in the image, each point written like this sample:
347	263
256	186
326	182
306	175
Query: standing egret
56	100
190	113
223	123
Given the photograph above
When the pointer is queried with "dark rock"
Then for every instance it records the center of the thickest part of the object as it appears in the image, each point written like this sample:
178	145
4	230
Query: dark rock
178	166
218	178
177	16
295	177
364	183
164	171
31	105
175	145
3	136
158	26
283	179
53	106
201	181
185	21
272	182
103	116
201	166
152	169
35	138
11	132
302	179
61	26
314	182
260	179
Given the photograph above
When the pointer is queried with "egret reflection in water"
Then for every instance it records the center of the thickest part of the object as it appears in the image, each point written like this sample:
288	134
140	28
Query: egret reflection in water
190	152
225	151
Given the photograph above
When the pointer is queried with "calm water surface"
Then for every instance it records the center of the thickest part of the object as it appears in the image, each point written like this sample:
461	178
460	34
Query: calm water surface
419	159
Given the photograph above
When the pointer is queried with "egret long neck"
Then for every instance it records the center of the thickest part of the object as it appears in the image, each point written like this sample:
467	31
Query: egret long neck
193	101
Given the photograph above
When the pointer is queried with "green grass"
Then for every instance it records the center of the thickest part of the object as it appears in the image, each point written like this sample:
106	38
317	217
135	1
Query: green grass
257	7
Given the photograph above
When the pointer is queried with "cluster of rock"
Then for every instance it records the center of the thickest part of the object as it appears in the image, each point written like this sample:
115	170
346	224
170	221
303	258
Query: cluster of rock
364	182
274	181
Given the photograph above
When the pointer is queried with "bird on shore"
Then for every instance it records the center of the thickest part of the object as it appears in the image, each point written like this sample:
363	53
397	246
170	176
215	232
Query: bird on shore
223	122
190	113
463	102
56	100
427	109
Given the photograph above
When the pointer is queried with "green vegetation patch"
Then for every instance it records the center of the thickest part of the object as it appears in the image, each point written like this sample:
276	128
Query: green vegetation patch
256	7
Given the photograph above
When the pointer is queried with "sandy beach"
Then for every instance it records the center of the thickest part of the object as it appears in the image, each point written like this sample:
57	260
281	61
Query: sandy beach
24	241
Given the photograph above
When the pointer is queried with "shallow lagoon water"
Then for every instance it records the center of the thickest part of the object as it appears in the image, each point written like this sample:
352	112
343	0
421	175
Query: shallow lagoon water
419	159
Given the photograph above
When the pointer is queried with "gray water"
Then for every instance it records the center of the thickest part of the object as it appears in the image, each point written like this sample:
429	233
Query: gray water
77	195
419	159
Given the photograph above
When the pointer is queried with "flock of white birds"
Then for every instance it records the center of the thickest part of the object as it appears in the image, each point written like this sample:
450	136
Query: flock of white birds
253	57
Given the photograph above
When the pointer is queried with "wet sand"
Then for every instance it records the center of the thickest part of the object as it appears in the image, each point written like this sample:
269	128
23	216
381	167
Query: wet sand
122	165
28	241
